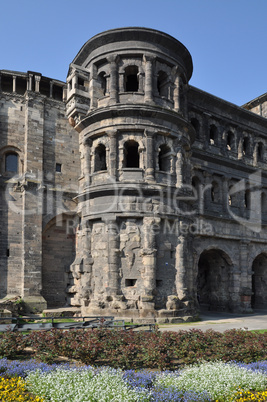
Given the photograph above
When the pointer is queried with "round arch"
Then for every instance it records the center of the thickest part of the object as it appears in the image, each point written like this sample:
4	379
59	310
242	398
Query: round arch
213	280
259	281
58	253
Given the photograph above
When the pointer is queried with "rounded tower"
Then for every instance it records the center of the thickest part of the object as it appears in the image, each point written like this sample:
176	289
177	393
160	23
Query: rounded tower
127	99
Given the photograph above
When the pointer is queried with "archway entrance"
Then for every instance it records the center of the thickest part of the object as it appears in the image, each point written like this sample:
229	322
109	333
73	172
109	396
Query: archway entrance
58	254
213	280
259	282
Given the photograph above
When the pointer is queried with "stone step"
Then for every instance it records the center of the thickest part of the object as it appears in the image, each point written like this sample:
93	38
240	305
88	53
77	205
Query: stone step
62	312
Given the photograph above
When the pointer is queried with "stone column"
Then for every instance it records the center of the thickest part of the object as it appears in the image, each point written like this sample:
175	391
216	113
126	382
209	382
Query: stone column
113	244
30	82
75	81
177	87
87	163
148	78
37	83
14	83
113	154
51	89
149	254
243	284
179	167
184	269
92	87
0	83
86	278
113	90
150	171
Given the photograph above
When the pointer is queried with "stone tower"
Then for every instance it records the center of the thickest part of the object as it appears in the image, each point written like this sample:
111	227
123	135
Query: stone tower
127	99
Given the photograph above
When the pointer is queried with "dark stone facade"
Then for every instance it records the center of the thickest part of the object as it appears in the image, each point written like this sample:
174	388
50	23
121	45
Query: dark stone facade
164	183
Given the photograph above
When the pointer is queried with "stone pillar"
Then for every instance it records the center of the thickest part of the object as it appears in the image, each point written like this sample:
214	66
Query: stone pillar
87	163
113	154
14	83
92	87
86	278
75	81
30	82
150	171
51	89
179	167
177	89
243	285
148	78
113	90
184	269
113	244
37	83
0	82
149	254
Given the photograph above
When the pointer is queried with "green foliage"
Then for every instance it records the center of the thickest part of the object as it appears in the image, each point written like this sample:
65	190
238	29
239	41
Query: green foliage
129	349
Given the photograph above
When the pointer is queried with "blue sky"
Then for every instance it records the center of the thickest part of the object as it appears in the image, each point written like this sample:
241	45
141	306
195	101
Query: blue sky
226	38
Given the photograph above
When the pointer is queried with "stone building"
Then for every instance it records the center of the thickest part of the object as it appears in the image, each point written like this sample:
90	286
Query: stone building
164	183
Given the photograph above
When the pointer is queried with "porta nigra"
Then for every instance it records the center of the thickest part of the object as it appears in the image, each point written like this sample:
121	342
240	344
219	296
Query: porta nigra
126	191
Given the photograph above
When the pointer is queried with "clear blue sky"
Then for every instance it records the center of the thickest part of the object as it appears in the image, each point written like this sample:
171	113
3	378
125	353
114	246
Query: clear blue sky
226	38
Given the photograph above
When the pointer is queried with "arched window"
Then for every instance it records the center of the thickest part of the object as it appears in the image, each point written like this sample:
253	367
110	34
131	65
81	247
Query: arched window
131	79
247	199
213	134
164	158
100	158
11	162
245	147
163	84
103	82
131	154
260	152
230	141
196	125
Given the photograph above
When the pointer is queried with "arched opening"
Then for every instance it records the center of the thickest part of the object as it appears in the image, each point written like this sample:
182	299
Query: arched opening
164	158
247	199
259	282
230	141
131	154
245	147
58	253
260	152
131	79
11	162
163	84
263	206
103	82
100	158
213	280
213	135
215	192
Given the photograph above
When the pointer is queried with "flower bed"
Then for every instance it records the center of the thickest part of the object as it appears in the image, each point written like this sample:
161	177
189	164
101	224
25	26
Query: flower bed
213	381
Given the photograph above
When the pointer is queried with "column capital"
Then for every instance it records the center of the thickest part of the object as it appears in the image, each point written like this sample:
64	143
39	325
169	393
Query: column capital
148	58
149	133
114	58
112	133
87	142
